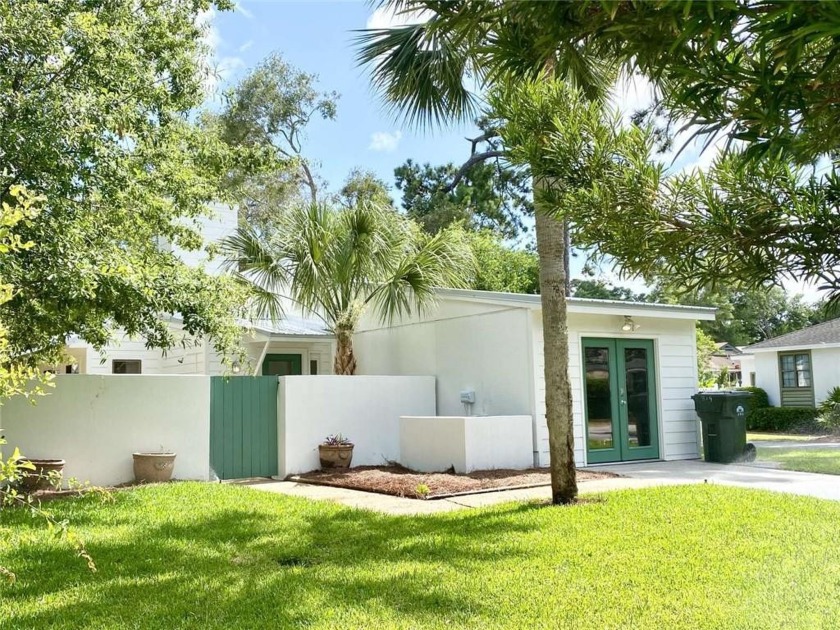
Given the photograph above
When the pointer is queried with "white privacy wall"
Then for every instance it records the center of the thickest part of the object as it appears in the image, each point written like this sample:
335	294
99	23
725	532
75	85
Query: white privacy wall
95	423
483	348
676	370
365	409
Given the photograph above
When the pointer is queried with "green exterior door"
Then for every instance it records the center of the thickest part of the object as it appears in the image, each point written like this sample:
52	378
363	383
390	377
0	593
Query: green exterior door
621	420
282	365
243	426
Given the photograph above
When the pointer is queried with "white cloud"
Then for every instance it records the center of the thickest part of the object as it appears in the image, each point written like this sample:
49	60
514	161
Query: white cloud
245	12
387	18
384	141
246	45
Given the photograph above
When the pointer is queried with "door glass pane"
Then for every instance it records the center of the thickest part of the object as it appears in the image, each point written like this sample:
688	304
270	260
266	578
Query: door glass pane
276	367
598	398
637	397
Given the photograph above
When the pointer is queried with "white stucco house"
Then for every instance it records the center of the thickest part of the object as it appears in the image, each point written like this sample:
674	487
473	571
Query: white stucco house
797	369
632	366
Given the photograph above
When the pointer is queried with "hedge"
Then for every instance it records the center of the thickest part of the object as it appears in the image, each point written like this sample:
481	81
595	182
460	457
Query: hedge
781	418
759	399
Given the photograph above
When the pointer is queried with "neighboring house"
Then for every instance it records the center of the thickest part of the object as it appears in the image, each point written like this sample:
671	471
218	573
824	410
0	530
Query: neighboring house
727	360
797	369
632	366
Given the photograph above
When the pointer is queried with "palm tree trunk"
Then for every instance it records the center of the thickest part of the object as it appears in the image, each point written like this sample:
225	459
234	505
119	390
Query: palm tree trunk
551	247
345	360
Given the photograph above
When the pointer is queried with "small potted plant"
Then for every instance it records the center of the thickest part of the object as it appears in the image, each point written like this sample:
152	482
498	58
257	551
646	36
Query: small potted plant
40	474
153	467
336	451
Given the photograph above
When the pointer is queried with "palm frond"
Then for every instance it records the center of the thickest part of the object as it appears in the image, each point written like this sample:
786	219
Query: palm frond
420	71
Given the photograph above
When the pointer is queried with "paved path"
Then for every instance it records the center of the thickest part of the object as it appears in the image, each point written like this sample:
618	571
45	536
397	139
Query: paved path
637	475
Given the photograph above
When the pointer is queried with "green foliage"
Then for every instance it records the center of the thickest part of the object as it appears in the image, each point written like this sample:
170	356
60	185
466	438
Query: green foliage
268	112
744	315
601	290
745	71
362	187
829	410
486	197
339	263
759	400
160	562
706	348
781	418
500	268
422	491
95	121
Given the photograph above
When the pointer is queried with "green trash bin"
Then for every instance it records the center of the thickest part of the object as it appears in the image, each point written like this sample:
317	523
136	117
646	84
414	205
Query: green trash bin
723	415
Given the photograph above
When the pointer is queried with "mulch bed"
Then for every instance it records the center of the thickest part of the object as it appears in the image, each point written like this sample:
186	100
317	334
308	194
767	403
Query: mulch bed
402	482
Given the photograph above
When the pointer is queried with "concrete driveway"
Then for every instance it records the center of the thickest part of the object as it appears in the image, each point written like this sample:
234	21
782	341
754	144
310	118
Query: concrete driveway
744	476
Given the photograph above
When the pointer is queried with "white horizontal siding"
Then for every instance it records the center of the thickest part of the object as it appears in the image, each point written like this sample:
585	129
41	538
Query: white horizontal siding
674	348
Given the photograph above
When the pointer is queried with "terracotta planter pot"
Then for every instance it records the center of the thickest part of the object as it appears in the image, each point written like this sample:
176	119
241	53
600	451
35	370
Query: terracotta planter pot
40	478
153	467
335	456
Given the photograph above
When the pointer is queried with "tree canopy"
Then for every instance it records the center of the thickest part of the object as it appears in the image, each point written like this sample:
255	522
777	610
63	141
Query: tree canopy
95	120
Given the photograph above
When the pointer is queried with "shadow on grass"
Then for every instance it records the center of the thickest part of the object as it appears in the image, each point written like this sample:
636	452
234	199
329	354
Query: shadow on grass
256	560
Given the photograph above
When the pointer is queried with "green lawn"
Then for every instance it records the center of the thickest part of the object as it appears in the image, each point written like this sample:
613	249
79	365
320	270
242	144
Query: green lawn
195	555
813	459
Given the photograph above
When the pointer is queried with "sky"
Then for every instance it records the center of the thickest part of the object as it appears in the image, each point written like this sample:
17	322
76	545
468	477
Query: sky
317	37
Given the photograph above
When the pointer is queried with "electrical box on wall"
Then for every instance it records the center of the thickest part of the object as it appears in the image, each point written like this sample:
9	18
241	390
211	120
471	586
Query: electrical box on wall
468	397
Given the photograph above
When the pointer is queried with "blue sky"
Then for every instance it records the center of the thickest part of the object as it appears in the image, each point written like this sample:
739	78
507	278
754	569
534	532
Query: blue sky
317	37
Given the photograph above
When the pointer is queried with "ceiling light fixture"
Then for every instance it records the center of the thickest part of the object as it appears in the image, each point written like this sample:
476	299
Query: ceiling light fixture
629	325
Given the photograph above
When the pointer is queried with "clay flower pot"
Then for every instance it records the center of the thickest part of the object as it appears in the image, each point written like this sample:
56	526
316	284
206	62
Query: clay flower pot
335	456
153	467
40	478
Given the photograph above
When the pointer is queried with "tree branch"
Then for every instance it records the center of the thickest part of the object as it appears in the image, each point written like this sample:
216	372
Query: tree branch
487	135
475	158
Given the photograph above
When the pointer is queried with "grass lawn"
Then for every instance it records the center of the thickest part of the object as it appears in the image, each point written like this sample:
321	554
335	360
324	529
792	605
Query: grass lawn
192	555
811	459
781	437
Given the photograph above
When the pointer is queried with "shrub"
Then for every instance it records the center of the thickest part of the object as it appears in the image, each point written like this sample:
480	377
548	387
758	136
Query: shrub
759	399
781	418
829	411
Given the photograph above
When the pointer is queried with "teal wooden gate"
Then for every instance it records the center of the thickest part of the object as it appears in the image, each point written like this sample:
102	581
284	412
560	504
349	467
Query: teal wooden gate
243	426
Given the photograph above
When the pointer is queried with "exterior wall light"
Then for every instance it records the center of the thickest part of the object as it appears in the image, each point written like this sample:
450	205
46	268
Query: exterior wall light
629	325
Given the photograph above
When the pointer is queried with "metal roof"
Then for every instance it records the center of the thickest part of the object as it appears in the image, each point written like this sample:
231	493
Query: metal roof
585	305
293	325
827	333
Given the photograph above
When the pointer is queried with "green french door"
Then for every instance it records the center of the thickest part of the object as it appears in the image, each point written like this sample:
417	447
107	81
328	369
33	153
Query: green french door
621	419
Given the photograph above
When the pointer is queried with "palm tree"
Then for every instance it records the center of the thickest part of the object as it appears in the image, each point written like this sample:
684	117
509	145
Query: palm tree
422	70
338	263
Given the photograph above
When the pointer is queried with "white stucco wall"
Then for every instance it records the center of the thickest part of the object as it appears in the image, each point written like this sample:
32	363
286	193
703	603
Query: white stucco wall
826	371
482	348
676	370
466	443
365	409
95	423
767	375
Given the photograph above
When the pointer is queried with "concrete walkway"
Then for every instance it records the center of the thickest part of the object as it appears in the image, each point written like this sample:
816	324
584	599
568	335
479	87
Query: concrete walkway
636	475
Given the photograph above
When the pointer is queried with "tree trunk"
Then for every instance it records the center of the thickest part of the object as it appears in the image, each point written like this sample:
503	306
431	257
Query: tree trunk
345	360
551	247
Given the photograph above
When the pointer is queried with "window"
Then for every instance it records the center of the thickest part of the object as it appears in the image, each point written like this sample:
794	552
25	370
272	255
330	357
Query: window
125	366
313	367
795	369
